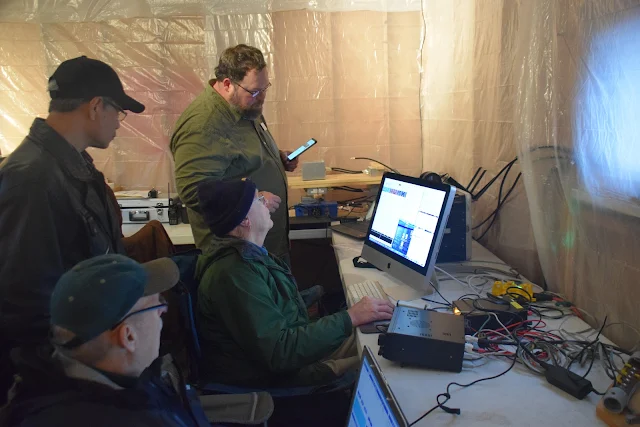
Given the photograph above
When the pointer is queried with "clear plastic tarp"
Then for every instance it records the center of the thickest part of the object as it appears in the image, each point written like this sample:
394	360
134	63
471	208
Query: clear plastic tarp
577	106
441	85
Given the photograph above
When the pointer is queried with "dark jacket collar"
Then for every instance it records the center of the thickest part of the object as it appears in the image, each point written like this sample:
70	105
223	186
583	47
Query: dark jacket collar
78	165
248	250
220	247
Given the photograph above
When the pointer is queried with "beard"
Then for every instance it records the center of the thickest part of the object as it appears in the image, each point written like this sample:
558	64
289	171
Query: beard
249	113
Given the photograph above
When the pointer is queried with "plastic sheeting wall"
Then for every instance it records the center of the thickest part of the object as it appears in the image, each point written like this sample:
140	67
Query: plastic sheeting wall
349	79
467	97
578	106
550	81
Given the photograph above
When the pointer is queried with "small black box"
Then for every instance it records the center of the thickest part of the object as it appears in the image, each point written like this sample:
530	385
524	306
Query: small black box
424	338
476	313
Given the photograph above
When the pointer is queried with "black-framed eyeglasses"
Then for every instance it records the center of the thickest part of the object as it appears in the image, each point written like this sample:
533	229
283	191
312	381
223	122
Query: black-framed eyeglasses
121	113
254	93
155	307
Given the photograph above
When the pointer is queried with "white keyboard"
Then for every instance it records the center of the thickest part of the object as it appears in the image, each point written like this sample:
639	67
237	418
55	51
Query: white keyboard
371	288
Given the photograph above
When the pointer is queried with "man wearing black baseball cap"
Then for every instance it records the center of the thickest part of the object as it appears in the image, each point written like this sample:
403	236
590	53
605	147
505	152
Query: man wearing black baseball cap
54	211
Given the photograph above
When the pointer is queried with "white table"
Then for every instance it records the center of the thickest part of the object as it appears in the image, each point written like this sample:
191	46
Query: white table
517	398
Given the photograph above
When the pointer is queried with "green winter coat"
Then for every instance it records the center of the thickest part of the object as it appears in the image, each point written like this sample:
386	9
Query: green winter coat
252	322
212	140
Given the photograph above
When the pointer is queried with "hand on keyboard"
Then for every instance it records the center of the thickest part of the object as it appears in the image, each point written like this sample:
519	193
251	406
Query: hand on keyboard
369	310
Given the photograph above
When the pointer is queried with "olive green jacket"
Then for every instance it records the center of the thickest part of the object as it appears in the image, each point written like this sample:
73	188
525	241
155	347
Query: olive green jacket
212	140
253	325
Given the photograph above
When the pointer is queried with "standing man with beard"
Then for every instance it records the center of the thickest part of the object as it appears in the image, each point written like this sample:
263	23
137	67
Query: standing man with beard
223	135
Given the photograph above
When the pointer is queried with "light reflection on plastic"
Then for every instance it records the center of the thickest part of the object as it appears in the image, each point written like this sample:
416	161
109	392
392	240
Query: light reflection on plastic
607	118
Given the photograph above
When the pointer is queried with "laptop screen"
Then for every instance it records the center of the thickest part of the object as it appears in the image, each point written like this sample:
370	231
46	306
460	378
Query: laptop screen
370	406
406	219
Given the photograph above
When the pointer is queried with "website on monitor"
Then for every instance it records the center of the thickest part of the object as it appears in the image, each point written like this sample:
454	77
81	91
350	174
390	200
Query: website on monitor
406	219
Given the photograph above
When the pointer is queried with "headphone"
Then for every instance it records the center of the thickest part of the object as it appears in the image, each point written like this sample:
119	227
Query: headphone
431	177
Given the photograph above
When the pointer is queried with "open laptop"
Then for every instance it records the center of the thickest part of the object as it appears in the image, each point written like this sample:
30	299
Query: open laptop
373	404
356	229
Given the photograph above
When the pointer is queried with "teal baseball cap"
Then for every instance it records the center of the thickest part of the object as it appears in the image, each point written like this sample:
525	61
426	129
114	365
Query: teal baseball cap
97	293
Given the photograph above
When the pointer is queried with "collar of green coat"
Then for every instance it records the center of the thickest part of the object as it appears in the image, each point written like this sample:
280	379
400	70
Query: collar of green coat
220	247
222	103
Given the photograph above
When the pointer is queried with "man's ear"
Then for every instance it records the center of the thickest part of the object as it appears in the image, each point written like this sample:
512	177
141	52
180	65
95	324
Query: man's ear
127	337
246	222
227	84
94	105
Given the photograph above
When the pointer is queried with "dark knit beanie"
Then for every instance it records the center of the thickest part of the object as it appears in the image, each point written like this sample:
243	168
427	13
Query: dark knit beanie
224	204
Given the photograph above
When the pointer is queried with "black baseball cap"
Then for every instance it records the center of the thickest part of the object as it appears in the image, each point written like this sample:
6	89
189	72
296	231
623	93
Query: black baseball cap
86	78
97	293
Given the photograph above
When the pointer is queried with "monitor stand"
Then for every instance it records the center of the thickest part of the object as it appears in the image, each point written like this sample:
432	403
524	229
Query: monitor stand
403	292
434	281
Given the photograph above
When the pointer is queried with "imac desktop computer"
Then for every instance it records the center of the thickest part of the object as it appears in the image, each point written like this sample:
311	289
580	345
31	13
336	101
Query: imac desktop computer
406	229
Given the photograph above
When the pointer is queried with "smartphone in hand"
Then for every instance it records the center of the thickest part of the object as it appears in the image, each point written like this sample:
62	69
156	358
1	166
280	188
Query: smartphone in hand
310	143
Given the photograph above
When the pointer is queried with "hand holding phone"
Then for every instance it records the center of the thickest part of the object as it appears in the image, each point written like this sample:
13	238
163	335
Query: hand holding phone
310	143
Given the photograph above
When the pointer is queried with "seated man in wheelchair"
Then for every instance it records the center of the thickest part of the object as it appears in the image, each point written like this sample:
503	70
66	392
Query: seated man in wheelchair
252	322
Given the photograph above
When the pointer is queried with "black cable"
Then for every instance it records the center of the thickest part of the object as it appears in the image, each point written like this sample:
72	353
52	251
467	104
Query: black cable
343	170
436	302
504	178
593	359
543	308
468	297
590	344
427	413
447	394
377	161
490	183
472	189
441	296
475	175
499	206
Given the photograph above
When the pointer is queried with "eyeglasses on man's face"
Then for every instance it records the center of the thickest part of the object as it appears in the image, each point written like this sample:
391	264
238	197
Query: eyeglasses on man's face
121	113
261	199
144	310
254	93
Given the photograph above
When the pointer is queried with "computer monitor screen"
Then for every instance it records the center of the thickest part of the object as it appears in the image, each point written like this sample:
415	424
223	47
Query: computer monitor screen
407	226
373	405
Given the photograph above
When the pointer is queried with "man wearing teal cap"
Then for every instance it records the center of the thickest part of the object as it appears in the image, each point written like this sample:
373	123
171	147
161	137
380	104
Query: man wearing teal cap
105	325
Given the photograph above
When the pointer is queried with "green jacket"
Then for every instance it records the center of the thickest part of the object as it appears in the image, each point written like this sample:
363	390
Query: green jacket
212	140
252	322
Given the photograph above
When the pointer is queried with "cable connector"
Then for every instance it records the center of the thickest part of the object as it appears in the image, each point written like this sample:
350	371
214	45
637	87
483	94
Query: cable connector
452	411
470	338
542	297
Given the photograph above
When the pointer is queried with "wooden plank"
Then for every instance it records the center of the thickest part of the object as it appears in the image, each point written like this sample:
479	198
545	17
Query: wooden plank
334	180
